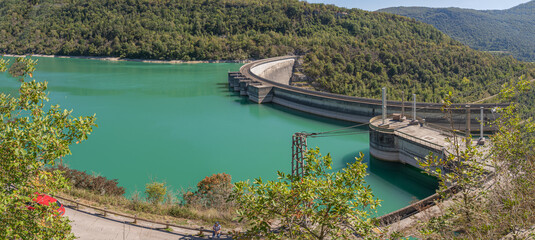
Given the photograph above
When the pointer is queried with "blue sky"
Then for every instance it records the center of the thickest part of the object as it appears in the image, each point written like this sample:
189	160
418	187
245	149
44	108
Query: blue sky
372	5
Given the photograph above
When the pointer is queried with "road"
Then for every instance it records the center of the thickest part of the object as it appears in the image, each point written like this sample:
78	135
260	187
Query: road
88	225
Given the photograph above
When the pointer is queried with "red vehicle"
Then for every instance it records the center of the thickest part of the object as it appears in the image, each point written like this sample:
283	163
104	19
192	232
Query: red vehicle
43	199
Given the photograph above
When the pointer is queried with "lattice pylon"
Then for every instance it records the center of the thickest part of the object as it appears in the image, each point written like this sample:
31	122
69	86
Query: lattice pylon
299	149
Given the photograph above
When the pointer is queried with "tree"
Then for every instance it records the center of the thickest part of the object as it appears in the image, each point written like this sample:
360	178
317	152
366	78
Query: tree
212	192
155	192
499	201
33	135
320	205
509	203
461	166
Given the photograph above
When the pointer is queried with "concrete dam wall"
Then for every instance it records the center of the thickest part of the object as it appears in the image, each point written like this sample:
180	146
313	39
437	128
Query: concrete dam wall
267	80
276	71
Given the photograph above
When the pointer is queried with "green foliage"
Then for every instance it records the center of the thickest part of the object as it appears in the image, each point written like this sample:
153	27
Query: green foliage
347	51
512	198
181	212
462	165
22	66
156	192
504	204
320	205
440	225
510	31
33	135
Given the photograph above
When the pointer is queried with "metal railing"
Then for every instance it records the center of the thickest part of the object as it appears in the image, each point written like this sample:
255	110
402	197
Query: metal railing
404	135
414	208
135	218
377	128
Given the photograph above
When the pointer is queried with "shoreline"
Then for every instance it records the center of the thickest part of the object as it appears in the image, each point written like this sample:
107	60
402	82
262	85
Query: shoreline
117	59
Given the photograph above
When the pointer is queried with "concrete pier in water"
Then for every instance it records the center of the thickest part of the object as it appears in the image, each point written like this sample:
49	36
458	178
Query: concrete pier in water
399	141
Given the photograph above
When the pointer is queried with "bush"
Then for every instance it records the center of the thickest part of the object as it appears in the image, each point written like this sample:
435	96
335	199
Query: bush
137	204
212	192
155	192
97	184
181	212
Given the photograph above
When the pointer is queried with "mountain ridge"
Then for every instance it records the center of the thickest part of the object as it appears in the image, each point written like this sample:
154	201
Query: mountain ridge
346	51
510	30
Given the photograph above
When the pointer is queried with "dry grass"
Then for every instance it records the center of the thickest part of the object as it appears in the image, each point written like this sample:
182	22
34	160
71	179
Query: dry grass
170	211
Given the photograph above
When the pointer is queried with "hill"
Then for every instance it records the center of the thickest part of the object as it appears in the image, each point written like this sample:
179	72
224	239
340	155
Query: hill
510	31
347	51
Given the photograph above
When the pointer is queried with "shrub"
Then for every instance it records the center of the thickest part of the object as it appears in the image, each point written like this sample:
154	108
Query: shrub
212	192
181	212
156	192
97	184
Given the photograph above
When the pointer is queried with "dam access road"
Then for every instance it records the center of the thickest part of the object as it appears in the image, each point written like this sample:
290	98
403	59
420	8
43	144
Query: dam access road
90	225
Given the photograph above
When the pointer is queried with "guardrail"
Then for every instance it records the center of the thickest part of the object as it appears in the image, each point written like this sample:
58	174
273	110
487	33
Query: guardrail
402	134
135	218
384	220
377	128
414	208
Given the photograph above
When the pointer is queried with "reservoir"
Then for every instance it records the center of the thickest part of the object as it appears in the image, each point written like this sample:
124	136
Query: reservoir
179	123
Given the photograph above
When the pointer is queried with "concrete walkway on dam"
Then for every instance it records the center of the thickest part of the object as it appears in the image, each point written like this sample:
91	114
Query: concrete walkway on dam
424	135
401	141
88	225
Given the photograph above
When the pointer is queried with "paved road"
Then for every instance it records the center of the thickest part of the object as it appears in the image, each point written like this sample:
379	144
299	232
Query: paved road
88	225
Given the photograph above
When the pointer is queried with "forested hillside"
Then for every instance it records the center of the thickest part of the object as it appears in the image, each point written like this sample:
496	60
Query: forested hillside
346	51
510	31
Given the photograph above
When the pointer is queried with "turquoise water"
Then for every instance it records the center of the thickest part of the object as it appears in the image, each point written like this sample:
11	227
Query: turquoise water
179	123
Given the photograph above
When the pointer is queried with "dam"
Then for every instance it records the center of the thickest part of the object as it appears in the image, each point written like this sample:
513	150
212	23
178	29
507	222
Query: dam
393	137
268	81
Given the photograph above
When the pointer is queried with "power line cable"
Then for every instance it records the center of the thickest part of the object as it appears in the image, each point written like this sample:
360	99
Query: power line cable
337	135
340	129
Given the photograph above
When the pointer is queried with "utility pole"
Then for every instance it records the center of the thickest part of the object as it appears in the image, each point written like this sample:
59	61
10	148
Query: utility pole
384	105
414	107
482	122
413	121
468	121
402	105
